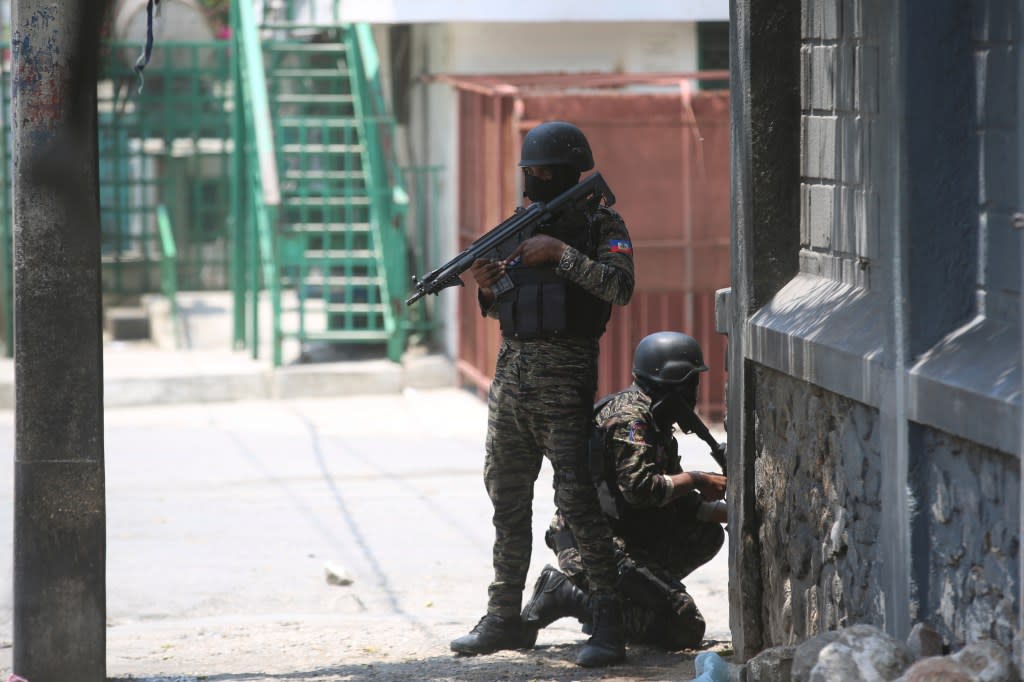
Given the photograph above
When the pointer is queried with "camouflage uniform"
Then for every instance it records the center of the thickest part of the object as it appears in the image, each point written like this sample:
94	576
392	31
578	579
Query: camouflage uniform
664	542
540	405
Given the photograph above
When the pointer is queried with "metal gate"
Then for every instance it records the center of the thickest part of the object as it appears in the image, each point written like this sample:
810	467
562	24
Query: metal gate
664	151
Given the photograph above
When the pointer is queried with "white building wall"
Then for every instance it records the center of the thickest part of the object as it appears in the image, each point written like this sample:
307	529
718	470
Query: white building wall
455	11
523	47
432	141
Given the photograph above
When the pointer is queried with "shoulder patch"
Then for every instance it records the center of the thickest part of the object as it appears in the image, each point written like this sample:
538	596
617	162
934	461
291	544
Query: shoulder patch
638	433
620	246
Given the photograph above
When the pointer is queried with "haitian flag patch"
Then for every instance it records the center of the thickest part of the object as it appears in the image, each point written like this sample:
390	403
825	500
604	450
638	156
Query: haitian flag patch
620	246
637	432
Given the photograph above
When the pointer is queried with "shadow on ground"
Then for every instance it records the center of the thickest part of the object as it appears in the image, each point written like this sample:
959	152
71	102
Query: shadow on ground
552	663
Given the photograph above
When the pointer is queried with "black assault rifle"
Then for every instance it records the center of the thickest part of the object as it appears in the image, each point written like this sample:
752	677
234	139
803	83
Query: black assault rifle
498	242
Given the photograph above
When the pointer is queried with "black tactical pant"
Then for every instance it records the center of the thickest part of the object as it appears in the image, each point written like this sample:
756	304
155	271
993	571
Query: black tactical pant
652	562
540	405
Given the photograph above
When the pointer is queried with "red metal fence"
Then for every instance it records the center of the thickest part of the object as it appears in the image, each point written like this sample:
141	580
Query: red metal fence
666	157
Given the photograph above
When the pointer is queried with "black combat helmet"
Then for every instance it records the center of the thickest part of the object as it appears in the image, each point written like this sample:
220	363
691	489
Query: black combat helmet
664	361
557	143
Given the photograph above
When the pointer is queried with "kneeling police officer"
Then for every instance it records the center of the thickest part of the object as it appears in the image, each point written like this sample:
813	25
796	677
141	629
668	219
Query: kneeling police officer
666	521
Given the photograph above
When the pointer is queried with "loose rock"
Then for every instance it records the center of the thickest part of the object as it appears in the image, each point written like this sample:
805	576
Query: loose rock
862	652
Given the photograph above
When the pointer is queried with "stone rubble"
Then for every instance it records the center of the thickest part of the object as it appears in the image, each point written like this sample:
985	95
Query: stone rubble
865	653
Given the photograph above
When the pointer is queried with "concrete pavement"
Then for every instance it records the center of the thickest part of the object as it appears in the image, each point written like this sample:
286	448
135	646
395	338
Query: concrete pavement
222	518
232	486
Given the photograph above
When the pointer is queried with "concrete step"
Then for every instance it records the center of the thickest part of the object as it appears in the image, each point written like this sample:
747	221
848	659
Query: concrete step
191	359
139	373
126	323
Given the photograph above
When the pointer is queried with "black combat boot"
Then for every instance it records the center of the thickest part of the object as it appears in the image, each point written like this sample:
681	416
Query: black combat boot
554	597
607	646
494	633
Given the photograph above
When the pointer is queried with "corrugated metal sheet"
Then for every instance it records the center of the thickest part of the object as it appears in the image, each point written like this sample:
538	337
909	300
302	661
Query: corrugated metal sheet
666	157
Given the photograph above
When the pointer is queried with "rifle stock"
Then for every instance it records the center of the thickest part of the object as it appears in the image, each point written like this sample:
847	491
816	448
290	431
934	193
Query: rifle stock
591	191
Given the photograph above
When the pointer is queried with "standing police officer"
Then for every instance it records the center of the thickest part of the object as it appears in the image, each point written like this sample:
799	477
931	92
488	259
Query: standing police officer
540	404
667	522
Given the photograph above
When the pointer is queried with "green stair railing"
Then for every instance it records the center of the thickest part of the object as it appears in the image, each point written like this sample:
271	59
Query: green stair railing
389	197
342	242
257	195
329	241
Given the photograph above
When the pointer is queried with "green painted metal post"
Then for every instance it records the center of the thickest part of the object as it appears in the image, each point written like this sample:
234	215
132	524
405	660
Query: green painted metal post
262	180
239	264
169	270
387	181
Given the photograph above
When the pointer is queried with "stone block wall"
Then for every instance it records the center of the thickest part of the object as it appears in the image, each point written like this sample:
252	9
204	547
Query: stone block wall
817	478
967	523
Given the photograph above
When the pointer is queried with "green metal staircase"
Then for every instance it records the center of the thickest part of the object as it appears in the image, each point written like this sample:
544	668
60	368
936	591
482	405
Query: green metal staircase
340	242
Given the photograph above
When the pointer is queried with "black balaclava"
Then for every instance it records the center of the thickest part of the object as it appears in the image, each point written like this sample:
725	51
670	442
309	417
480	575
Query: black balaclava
672	405
562	178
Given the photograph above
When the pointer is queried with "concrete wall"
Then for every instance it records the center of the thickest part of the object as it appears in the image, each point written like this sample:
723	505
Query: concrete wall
892	307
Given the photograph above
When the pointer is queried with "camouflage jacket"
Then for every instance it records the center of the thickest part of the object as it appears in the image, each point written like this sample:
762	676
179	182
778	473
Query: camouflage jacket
641	454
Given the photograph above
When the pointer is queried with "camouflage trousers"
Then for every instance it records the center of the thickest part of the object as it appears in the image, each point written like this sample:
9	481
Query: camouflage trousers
540	405
657	609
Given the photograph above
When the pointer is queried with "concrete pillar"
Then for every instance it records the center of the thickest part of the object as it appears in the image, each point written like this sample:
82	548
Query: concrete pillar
59	516
930	116
764	46
1018	219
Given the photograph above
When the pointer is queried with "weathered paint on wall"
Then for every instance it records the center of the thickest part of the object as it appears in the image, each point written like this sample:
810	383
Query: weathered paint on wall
37	83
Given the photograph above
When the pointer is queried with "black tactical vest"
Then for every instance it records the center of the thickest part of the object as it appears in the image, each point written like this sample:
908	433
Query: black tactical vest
543	304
